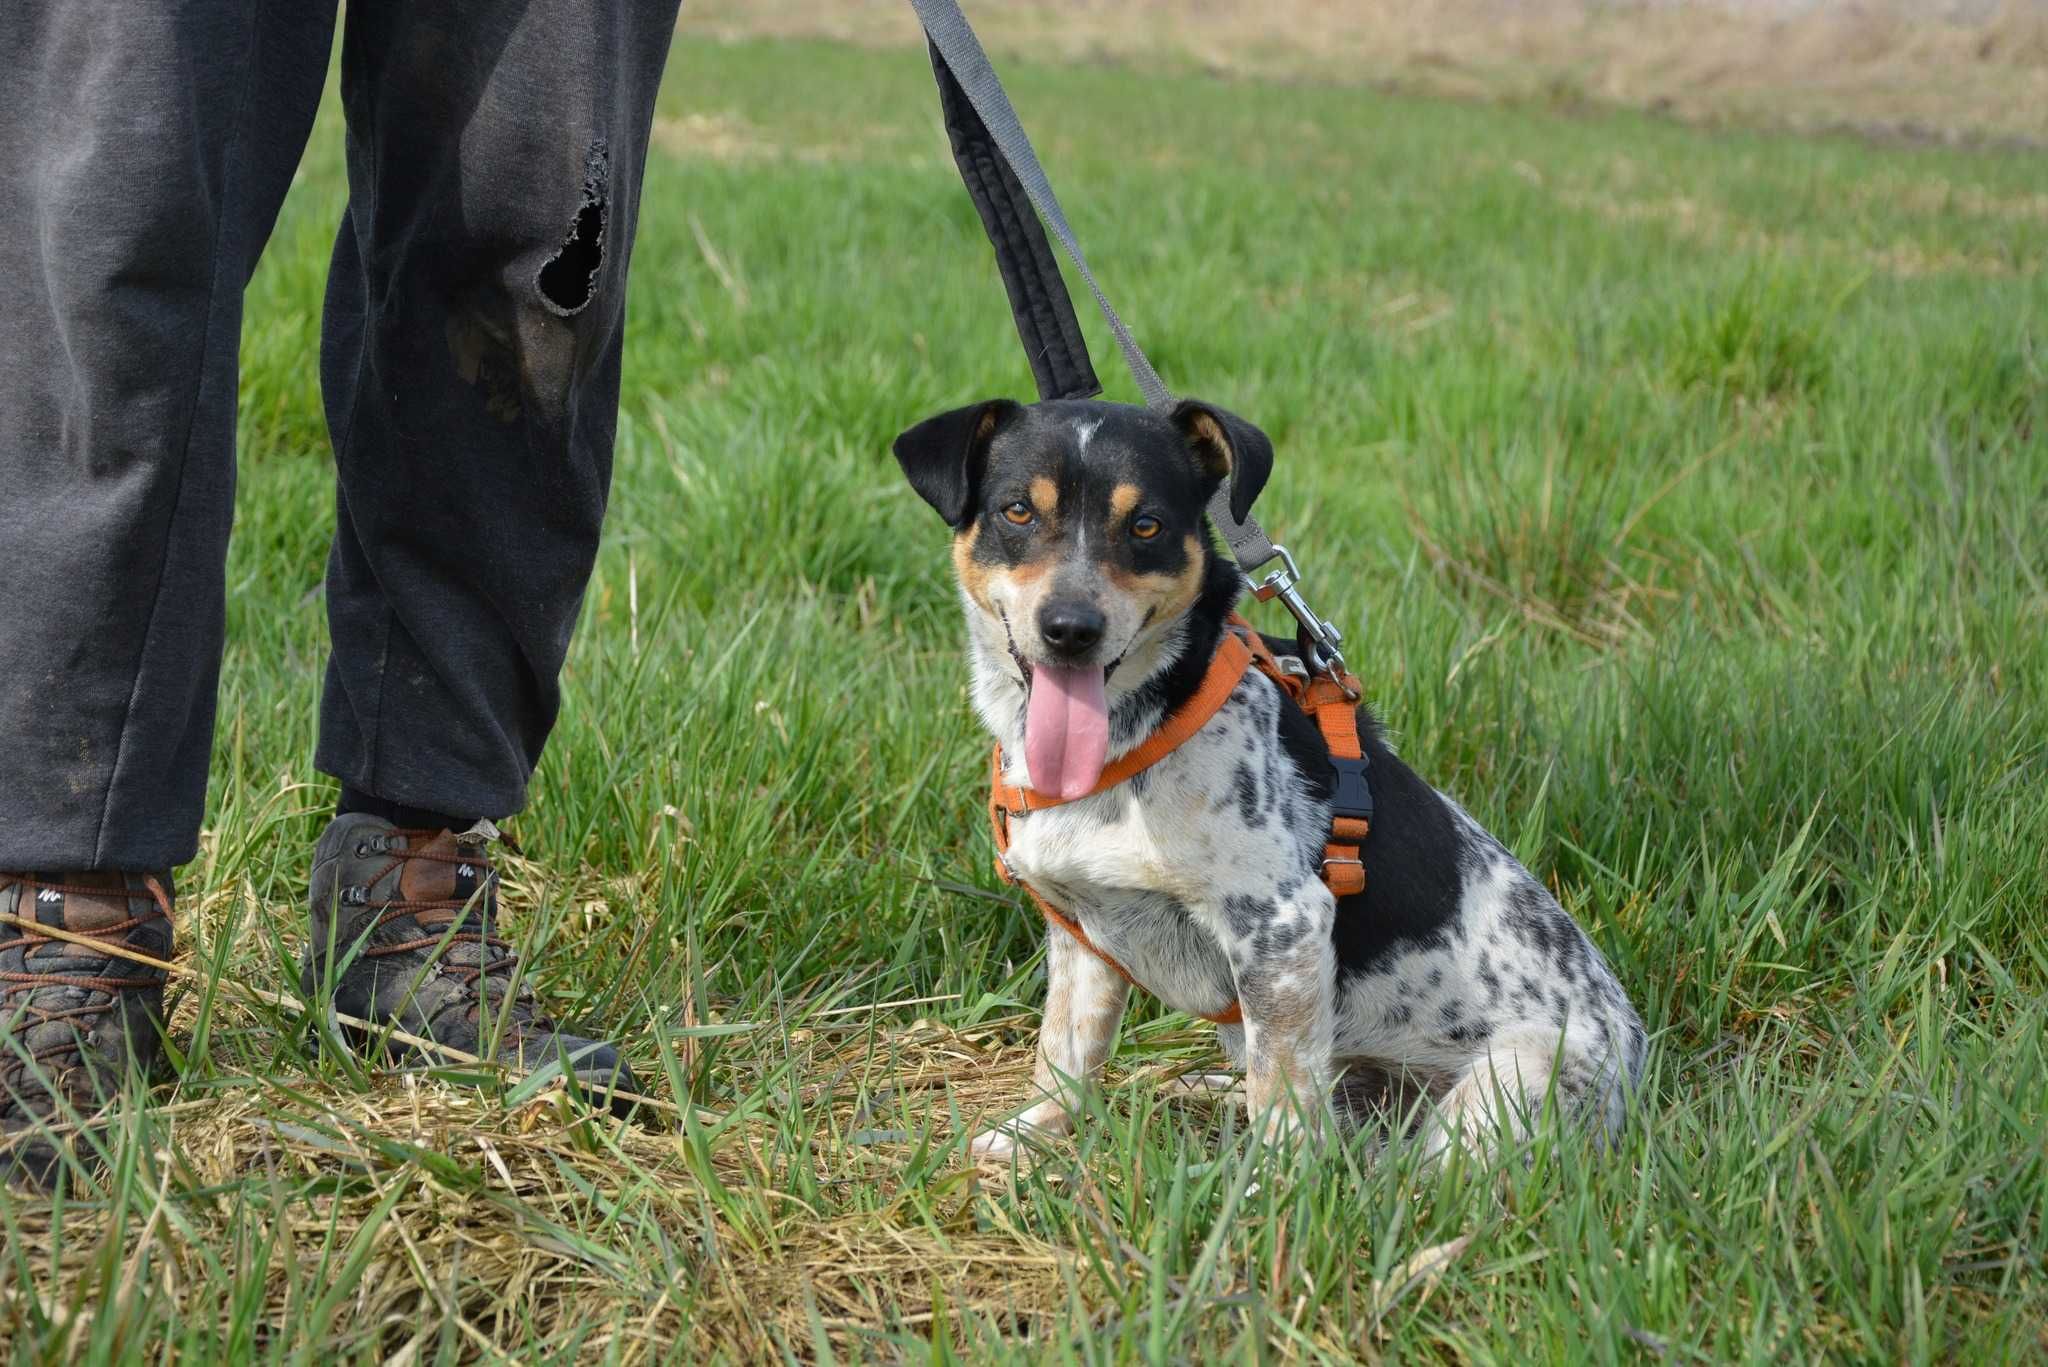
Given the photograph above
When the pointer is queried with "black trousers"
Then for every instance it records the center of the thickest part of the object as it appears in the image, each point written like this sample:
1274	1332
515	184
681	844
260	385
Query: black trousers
469	365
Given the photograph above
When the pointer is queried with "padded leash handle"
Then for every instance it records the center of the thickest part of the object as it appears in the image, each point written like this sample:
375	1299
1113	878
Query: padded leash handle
1010	191
987	123
1031	274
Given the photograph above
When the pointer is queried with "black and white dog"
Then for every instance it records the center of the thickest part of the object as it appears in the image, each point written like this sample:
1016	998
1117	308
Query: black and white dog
1095	600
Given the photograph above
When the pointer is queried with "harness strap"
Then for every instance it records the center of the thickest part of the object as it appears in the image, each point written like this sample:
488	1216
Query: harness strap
1011	192
1242	648
1333	705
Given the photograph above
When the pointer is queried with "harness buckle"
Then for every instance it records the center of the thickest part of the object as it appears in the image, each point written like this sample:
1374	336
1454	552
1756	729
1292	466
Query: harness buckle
1322	643
1353	795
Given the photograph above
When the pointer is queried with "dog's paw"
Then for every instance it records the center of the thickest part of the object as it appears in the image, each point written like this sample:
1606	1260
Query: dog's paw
993	1146
1000	1143
1206	1084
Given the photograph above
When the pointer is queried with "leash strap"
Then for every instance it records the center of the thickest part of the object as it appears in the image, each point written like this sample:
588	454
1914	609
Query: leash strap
1010	191
1031	273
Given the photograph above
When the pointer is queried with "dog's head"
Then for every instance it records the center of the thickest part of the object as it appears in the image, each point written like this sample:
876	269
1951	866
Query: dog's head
1080	543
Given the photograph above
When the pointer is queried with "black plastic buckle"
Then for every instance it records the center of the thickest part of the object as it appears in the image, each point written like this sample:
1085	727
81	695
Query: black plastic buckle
1353	797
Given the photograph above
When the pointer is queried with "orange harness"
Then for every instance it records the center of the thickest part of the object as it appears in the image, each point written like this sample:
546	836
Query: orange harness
1333	704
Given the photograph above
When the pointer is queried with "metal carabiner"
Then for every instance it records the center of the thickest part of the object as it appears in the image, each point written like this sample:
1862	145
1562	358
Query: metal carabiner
1321	639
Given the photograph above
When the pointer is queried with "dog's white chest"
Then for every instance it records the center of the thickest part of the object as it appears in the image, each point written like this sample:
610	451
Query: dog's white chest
1110	844
1129	884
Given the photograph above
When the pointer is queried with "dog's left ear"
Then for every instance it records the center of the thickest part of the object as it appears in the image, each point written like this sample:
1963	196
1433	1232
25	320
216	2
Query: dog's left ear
1226	447
942	457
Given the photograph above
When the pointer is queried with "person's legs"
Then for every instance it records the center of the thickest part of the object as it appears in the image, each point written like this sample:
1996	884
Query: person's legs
471	370
470	364
144	150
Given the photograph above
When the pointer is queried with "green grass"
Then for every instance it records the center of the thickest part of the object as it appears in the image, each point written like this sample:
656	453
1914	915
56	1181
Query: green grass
1686	494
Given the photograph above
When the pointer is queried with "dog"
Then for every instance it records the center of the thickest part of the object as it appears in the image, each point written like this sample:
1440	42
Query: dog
1454	995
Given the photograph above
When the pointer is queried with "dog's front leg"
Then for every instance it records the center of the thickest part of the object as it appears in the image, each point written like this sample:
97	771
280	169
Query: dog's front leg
1286	969
1084	1000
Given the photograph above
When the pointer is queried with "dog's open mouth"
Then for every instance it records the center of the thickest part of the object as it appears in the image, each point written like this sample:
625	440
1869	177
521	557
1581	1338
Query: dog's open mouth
1066	728
1066	722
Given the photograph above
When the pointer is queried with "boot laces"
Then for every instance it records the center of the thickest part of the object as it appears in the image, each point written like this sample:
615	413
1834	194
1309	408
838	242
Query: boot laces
435	915
28	985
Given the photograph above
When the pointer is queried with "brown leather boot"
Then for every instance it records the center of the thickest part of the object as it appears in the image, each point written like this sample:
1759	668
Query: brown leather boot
405	925
74	1020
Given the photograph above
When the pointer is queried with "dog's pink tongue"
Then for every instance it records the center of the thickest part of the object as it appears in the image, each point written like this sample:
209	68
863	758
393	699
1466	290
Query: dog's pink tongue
1066	729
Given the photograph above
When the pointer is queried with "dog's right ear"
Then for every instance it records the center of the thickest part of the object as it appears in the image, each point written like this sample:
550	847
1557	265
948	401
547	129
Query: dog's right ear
942	457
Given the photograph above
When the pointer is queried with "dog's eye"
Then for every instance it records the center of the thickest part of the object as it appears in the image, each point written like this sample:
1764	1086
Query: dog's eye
1145	528
1019	513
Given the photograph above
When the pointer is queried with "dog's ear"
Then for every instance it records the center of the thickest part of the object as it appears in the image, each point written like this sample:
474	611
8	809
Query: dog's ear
1226	447
942	457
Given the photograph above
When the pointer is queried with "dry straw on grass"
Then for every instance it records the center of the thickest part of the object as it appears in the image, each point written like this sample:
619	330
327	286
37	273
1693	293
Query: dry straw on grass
441	1208
541	1221
1884	67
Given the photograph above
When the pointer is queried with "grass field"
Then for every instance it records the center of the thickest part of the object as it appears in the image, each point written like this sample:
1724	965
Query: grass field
1687	493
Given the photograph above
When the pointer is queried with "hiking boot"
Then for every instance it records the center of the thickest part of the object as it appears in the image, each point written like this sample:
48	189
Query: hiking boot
75	1018
405	924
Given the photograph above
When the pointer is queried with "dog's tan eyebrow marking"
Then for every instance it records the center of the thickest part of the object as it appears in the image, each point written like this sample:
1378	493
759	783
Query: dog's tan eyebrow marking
1045	496
1122	500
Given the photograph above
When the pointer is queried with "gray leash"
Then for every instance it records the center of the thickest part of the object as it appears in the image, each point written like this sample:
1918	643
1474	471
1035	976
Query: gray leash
1000	168
950	33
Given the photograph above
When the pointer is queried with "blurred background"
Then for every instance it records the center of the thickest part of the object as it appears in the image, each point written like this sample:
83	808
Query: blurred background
1947	70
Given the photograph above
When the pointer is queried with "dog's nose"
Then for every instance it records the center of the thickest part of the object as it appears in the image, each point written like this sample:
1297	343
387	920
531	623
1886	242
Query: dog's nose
1072	628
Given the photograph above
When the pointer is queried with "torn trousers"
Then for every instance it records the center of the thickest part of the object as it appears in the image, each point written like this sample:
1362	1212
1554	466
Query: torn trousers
469	366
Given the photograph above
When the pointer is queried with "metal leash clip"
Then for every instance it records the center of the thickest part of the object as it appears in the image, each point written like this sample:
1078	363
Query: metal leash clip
1321	642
